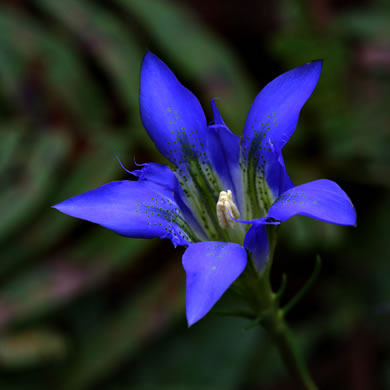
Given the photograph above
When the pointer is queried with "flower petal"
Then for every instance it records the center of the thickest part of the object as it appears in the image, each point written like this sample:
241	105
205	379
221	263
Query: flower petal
256	242
171	114
270	123
320	199
162	177
223	150
175	121
276	108
158	174
217	118
276	176
132	209
211	267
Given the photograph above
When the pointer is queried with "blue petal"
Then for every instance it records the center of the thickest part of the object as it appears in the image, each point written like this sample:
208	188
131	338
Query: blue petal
217	118
159	174
162	177
320	199
171	114
224	153
276	108
276	176
132	209
270	123
175	121
256	242
211	267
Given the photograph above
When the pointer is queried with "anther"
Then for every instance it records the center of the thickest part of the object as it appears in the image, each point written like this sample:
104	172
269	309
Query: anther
226	209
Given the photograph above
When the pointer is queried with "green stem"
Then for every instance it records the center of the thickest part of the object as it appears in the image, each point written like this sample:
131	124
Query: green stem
283	339
277	327
265	303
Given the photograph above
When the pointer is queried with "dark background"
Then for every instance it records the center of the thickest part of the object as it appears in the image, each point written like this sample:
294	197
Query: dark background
82	308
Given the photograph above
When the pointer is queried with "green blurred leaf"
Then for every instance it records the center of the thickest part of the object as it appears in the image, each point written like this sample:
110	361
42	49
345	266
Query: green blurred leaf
137	322
31	347
61	65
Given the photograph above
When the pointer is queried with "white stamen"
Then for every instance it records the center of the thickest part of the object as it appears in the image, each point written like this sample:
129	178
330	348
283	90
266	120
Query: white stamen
225	209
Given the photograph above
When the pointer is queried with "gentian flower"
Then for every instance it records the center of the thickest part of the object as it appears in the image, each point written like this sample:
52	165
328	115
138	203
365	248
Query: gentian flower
221	192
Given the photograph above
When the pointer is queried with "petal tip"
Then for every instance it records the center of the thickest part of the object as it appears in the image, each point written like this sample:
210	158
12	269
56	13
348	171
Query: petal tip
316	67
192	318
62	207
190	323
57	206
149	56
316	63
151	59
355	220
312	71
353	217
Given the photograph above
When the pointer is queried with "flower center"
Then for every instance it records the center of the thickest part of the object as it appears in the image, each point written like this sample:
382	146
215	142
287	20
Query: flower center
226	209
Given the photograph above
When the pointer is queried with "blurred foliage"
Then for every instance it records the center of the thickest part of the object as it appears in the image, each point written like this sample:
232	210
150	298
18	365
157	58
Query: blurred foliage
81	308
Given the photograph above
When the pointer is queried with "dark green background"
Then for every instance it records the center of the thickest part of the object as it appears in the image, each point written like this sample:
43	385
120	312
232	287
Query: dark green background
82	308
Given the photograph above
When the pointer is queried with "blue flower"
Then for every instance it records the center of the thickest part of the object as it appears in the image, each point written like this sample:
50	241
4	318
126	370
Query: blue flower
216	179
